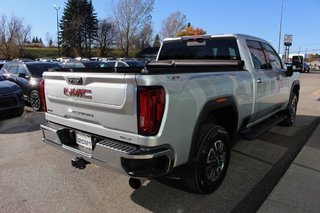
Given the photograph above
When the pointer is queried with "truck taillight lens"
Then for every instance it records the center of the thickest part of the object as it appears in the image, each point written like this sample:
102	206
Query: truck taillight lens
151	102
42	96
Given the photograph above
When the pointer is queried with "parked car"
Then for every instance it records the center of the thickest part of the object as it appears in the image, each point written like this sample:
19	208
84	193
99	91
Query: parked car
11	98
28	76
126	63
306	67
288	64
85	64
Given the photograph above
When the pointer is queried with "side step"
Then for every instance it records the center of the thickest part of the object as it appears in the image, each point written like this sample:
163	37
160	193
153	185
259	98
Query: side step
255	131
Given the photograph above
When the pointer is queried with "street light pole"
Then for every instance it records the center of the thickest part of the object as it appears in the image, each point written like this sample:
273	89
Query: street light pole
57	8
280	26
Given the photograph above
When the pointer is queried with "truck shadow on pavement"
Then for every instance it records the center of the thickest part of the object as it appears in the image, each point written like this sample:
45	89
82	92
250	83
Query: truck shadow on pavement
29	121
255	168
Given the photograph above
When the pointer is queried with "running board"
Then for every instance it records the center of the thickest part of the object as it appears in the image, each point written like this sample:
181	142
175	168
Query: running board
255	131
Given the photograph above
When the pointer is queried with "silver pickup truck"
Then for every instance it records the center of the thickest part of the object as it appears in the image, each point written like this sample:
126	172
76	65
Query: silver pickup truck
179	116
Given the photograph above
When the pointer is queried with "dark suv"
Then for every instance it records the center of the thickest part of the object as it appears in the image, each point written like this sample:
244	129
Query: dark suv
28	76
11	99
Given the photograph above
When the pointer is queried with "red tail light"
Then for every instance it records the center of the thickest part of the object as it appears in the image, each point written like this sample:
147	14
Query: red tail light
151	102
42	96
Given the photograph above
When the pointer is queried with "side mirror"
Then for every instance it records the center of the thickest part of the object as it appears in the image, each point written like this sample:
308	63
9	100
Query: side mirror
289	71
23	75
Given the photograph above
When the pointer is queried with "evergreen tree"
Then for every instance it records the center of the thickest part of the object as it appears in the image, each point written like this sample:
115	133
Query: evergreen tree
79	26
50	43
90	27
157	41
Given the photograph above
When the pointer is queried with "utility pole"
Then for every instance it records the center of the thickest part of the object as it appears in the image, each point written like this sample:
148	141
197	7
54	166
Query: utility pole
280	26
57	8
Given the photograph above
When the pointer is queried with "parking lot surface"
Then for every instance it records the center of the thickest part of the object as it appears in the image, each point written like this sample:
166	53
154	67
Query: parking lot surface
35	177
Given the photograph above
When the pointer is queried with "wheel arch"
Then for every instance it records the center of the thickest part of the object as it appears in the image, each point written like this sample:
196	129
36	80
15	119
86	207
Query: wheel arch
220	111
295	88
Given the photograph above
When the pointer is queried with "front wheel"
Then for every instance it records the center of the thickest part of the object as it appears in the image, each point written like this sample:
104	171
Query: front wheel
212	160
291	111
35	100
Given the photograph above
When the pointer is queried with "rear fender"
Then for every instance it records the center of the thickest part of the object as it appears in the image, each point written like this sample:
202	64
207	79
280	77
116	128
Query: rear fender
212	112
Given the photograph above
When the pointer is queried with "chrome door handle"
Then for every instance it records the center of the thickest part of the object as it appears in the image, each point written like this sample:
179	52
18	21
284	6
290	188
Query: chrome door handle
259	81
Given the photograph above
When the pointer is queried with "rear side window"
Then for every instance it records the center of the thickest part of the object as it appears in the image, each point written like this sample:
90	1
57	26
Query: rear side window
214	48
36	70
121	64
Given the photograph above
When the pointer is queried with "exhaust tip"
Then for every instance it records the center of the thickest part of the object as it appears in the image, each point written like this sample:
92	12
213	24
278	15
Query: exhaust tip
134	183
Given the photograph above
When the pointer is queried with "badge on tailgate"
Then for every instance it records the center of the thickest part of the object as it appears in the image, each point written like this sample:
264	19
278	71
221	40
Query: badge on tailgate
76	92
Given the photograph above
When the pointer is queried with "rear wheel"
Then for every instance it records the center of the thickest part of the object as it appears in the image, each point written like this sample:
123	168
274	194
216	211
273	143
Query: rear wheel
35	100
212	160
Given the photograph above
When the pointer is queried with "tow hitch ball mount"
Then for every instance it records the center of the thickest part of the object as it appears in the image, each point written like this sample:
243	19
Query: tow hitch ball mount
79	163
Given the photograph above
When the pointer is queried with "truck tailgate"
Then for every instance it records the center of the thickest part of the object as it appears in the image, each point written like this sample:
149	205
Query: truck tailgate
101	103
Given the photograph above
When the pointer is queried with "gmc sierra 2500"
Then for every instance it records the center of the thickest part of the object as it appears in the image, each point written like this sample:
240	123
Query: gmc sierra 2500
178	116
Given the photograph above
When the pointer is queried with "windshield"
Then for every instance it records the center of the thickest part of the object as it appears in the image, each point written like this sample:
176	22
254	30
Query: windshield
36	70
215	48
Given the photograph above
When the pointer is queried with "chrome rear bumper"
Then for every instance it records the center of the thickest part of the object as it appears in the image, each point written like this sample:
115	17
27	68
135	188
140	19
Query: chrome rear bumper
126	158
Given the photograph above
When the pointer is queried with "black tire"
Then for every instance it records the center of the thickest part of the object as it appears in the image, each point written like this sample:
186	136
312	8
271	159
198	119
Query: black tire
19	113
35	100
212	160
291	111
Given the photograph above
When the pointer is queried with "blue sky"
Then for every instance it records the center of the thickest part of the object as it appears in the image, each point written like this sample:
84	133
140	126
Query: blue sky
260	18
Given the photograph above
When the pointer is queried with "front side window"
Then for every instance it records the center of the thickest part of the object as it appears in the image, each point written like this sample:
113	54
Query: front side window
21	69
257	54
272	57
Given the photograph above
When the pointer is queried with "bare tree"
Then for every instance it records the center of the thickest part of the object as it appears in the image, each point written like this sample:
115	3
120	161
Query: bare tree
13	34
130	18
173	24
106	35
22	35
145	36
